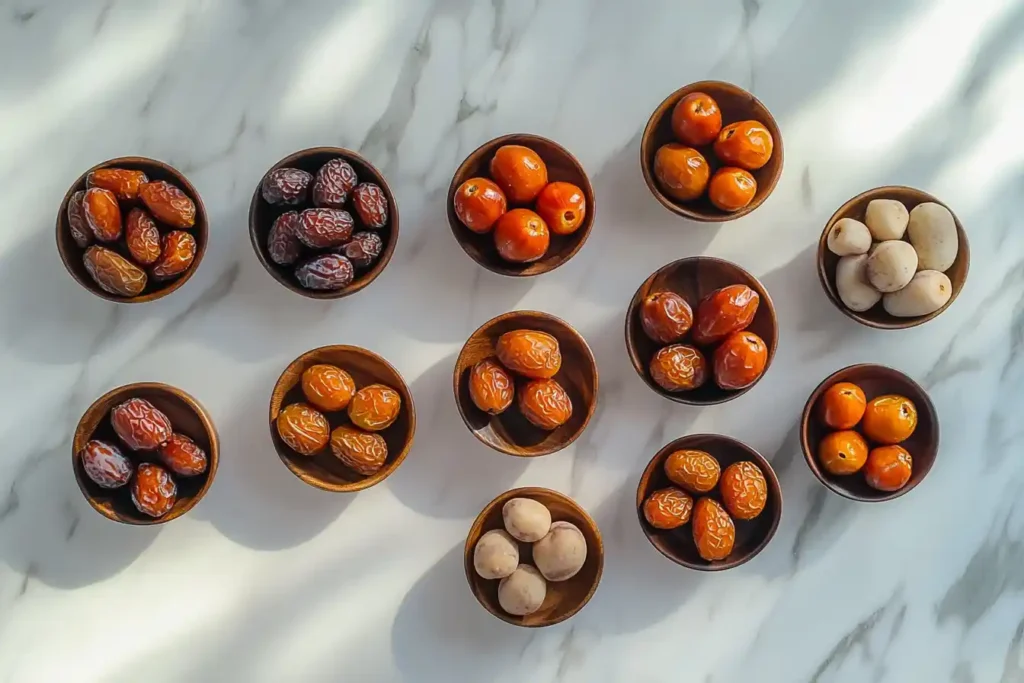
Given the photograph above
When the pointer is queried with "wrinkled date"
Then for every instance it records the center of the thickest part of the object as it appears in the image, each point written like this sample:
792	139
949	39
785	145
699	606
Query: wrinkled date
177	252
713	530
282	244
328	387
334	181
531	353
744	490
371	205
374	407
183	456
545	403
363	249
105	464
740	360
679	368
724	311
694	470
668	508
140	424
323	228
303	429
113	272
124	183
365	453
153	490
142	237
326	272
80	231
168	204
102	214
286	186
491	387
666	317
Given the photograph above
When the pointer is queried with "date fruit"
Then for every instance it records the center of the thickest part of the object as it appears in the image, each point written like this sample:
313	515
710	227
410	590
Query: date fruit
363	249
286	186
323	228
113	272
668	508
731	188
679	367
371	204
843	452
142	237
888	468
479	203
168	204
303	429
744	490
521	236
177	251
153	490
713	530
681	171
183	456
283	246
358	450
889	419
696	119
694	470
545	403
724	311
747	144
491	387
843	405
102	214
374	407
562	206
140	424
665	317
519	172
326	272
530	353
80	231
123	182
740	360
328	387
105	464
334	181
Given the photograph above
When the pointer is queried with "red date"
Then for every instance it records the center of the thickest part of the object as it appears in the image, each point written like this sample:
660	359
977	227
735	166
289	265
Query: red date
105	464
140	424
77	225
153	491
363	249
371	205
326	272
324	228
183	456
334	181
286	186
282	244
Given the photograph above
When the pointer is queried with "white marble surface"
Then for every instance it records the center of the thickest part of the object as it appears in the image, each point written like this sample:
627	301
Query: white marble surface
270	580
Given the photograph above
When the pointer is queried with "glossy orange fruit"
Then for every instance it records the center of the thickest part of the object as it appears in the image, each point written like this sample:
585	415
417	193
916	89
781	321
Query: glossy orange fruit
479	203
843	452
744	489
888	468
889	419
668	508
521	236
843	405
694	470
747	144
713	530
562	206
696	119
682	172
731	188
520	172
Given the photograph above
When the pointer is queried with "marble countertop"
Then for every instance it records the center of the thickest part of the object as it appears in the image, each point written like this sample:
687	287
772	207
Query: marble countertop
268	579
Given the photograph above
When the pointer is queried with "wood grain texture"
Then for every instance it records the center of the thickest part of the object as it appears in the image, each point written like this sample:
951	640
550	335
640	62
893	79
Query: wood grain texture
562	166
323	469
874	380
694	278
751	536
736	104
71	253
187	417
855	208
564	598
510	432
262	216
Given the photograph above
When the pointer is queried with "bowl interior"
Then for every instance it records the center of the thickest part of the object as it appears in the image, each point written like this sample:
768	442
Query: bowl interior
736	104
262	216
694	278
855	208
751	535
72	254
510	432
564	598
874	380
323	469
187	417
562	166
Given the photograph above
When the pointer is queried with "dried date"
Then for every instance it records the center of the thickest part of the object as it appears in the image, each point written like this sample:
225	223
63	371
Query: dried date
142	237
724	311
102	214
168	204
363	249
361	451
679	368
694	470
740	360
153	490
105	464
668	508
183	456
140	424
545	403
530	353
713	530
326	272
666	317
283	246
304	429
328	387
491	387
323	228
744	490
123	182
286	186
374	407
371	205
113	272
334	181
80	231
178	250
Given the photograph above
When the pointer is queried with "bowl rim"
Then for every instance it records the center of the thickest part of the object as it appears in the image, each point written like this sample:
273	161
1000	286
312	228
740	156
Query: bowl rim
679	208
581	235
202	224
476	530
591	408
128	391
389	467
359	283
681	397
770	475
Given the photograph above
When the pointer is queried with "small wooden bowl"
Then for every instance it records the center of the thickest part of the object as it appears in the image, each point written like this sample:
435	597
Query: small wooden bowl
855	208
751	536
564	598
187	417
562	166
71	254
323	469
694	278
510	432
262	216
874	380
736	104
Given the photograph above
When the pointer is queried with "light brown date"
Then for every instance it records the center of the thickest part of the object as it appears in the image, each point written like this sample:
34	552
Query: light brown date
102	214
328	387
666	317
168	204
744	490
694	470
530	353
374	407
80	231
303	429
679	368
491	387
113	272
713	530
142	237
361	451
177	252
545	403
668	508
123	182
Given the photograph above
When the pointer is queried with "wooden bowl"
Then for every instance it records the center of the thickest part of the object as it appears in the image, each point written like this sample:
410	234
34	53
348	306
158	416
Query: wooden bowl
564	598
562	166
187	417
71	254
510	432
736	104
323	469
874	380
855	208
751	536
262	216
694	278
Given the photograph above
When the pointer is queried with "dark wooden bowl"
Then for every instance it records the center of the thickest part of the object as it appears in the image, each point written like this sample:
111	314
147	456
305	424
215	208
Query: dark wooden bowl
510	432
874	380
323	469
736	104
751	535
71	254
187	417
876	316
694	278
564	598
562	166
262	216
